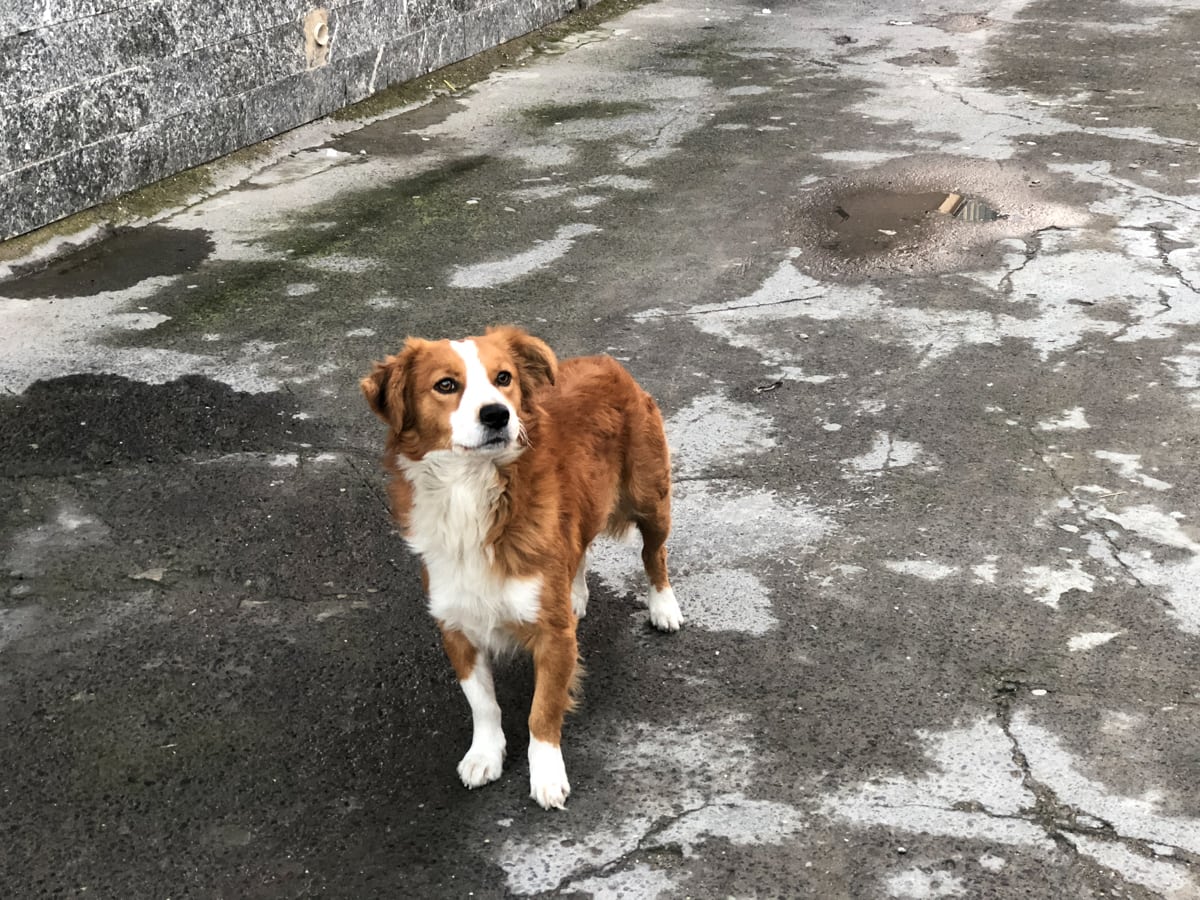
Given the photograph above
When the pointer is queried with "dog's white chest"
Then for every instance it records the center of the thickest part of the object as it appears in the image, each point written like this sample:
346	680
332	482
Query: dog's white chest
453	499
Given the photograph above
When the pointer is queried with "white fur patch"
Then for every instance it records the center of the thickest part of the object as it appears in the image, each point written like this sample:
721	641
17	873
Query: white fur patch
478	391
665	614
548	783
453	495
485	759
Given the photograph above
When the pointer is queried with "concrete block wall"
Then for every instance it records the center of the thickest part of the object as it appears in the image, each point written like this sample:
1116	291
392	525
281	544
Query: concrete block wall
98	97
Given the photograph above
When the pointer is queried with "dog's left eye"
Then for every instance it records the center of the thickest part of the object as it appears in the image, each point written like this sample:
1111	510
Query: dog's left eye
446	386
503	379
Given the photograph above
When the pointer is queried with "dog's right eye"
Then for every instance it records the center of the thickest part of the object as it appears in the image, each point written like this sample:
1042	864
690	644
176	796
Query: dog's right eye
446	386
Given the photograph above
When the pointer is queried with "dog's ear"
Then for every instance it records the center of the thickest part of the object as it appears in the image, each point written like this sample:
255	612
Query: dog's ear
375	388
384	388
536	361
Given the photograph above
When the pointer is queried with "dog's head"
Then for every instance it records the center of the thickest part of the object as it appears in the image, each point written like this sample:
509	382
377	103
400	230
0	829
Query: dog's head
467	396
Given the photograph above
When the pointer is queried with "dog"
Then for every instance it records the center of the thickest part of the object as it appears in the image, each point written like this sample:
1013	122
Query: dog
505	465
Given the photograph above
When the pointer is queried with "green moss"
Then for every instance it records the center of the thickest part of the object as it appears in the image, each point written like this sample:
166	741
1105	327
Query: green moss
397	230
21	246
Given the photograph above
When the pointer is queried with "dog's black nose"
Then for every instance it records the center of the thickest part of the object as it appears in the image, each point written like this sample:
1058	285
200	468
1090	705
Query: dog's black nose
494	415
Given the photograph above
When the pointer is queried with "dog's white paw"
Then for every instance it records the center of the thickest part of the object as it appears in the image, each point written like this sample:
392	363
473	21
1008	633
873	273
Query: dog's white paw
665	614
482	764
548	783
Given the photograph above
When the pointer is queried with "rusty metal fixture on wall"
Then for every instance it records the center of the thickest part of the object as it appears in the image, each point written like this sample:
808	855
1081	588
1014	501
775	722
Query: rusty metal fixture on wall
317	37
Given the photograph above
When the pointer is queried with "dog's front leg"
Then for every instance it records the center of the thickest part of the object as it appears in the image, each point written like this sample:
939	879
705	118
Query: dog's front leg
555	657
485	758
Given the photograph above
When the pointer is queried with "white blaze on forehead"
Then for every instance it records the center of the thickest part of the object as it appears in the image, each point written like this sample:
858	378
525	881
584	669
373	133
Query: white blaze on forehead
477	392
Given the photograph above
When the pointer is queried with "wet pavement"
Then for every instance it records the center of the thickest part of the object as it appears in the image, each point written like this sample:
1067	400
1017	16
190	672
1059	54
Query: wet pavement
935	522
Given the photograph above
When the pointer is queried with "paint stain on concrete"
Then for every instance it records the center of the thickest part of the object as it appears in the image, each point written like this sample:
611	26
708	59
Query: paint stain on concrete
738	819
926	569
886	452
44	338
918	884
972	791
1139	817
1047	584
640	880
1129	467
714	431
502	271
1090	640
1070	420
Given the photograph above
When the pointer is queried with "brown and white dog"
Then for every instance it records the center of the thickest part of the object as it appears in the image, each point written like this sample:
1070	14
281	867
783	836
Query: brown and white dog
506	464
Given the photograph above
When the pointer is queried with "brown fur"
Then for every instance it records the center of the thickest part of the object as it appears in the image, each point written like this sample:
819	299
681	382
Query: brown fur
596	460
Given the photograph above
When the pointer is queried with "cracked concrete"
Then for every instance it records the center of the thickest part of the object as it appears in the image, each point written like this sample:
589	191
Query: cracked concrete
935	534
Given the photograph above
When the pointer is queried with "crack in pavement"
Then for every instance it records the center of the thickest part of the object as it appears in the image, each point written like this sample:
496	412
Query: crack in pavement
1033	247
1142	193
1083	509
724	308
1164	257
610	867
654	142
1060	820
1164	252
940	89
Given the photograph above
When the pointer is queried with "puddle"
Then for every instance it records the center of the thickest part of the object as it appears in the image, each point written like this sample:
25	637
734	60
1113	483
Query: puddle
876	221
922	214
120	261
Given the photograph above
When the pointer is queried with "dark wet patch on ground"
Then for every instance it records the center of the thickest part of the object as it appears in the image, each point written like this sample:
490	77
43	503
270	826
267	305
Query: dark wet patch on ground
398	135
124	259
933	56
85	421
1056	49
567	112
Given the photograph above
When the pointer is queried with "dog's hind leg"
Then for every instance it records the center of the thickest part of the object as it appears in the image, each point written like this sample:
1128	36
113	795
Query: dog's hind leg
485	759
579	589
665	614
646	491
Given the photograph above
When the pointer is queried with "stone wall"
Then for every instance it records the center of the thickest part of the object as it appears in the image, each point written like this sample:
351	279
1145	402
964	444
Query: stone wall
98	97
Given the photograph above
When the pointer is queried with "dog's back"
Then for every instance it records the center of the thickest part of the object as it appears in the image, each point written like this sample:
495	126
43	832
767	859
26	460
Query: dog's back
605	436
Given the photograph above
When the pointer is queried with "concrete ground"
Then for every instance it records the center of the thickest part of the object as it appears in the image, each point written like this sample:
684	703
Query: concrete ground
936	535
